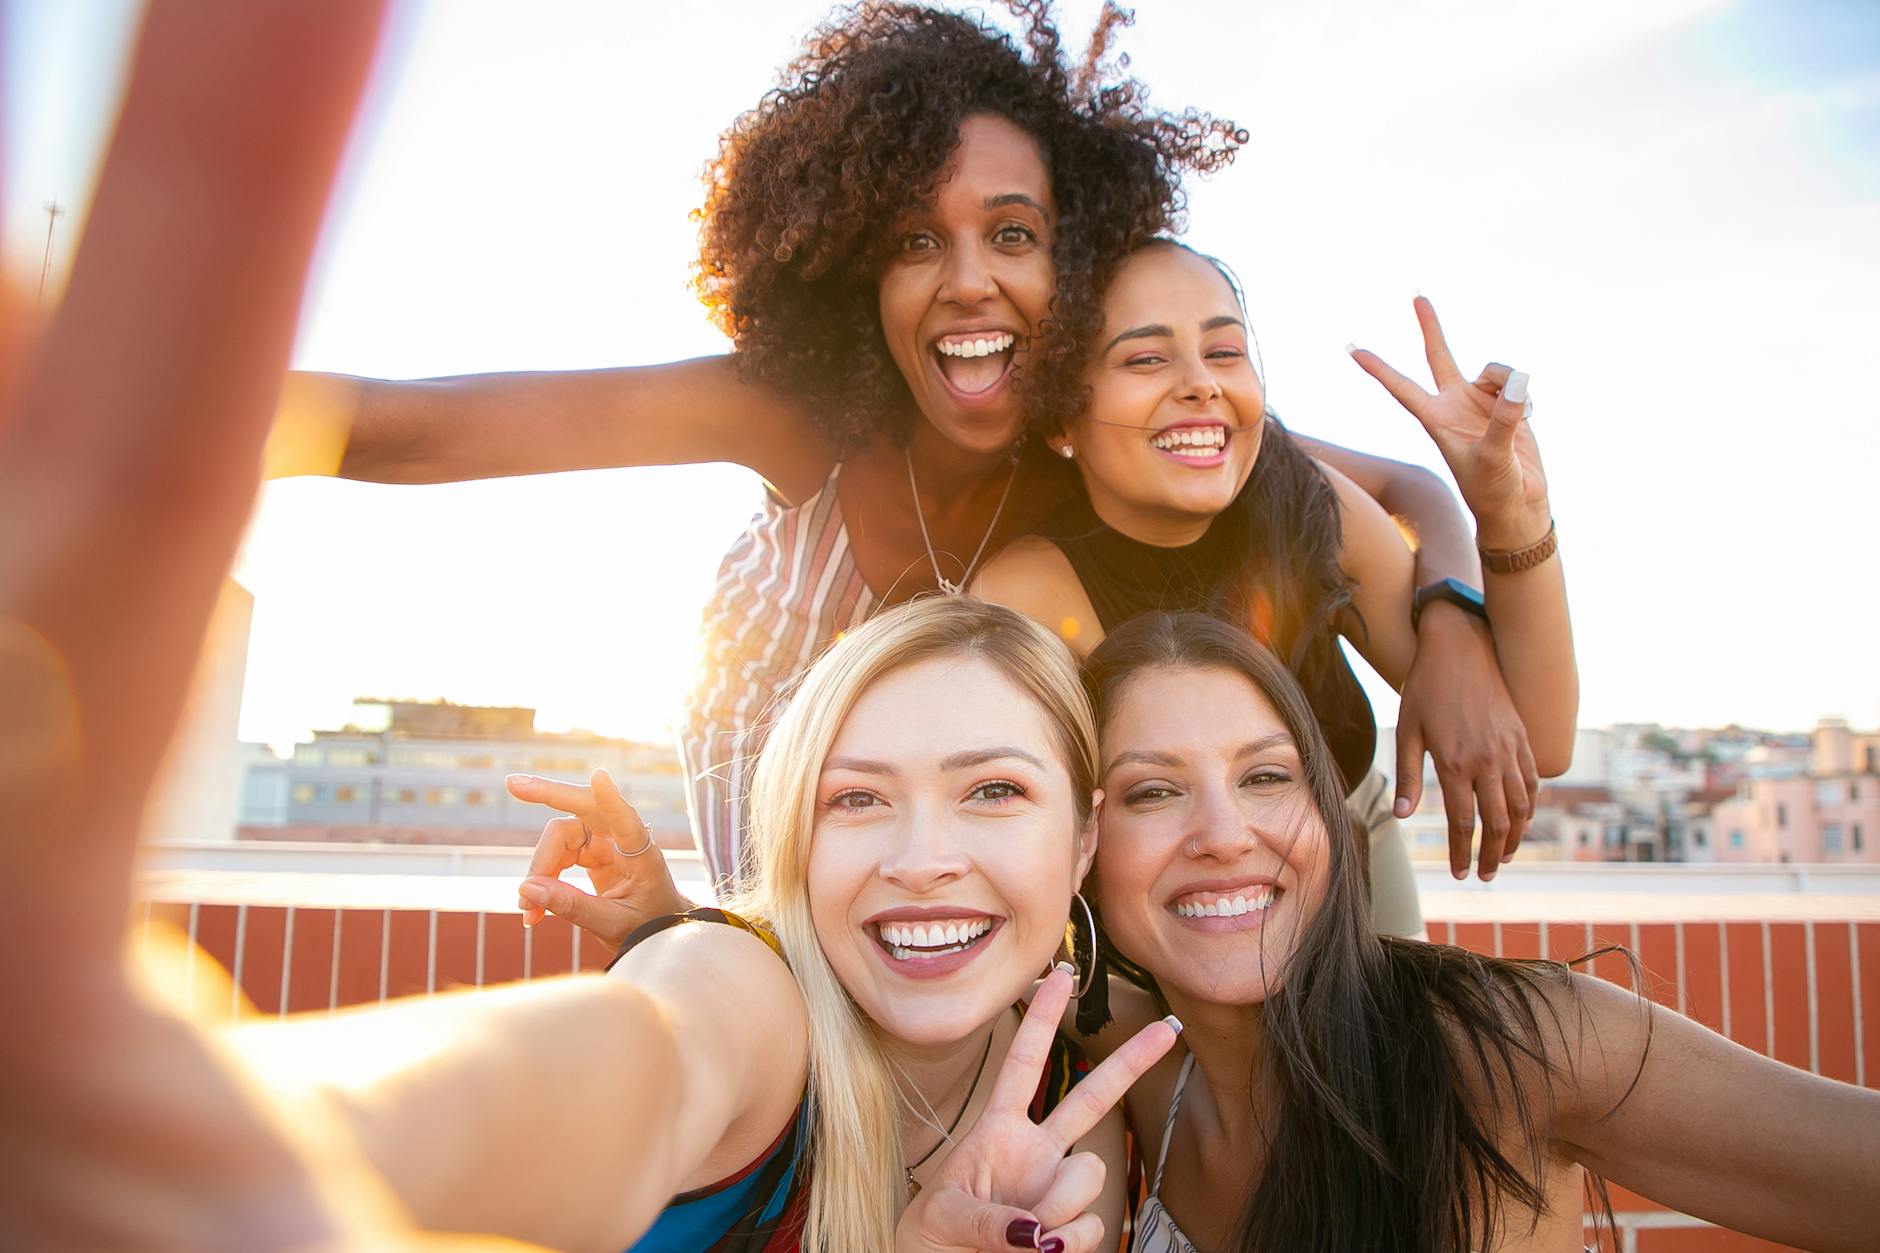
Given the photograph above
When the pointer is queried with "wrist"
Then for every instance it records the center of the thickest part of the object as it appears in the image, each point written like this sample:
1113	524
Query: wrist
1514	529
1439	617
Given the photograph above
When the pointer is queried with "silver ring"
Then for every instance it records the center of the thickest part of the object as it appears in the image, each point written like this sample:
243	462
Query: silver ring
641	849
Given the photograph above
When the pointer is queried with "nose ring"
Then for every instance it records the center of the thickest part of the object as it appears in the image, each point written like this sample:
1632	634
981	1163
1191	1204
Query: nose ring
1194	847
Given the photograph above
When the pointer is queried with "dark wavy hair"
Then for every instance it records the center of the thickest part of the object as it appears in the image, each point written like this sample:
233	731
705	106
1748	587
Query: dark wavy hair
806	186
1400	1069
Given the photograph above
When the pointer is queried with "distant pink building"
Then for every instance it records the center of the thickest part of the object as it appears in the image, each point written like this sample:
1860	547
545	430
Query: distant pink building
1829	814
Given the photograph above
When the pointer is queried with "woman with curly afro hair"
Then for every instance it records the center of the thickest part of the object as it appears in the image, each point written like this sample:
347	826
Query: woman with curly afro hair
905	241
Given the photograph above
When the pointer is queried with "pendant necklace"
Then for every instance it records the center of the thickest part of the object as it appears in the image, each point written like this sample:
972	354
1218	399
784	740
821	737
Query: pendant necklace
946	1137
946	585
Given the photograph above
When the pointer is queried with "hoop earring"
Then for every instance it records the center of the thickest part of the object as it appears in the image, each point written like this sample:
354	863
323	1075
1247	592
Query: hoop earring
1090	972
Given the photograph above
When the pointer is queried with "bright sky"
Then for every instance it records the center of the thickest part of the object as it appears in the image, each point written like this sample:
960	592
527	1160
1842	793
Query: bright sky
1668	211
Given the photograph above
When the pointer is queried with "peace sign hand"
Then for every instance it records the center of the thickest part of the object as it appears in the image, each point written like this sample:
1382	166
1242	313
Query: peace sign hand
603	835
1008	1184
1481	429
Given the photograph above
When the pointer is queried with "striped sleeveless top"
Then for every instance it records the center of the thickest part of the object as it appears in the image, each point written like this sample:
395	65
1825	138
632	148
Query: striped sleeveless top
786	589
1156	1232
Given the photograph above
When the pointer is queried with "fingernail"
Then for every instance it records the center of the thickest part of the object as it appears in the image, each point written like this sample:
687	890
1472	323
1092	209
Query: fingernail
1488	876
1023	1234
1402	807
1514	391
1051	1244
1066	968
534	893
1417	294
518	780
1352	349
1175	1024
1460	874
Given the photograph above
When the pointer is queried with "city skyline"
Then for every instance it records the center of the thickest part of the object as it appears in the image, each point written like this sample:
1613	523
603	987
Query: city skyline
1669	214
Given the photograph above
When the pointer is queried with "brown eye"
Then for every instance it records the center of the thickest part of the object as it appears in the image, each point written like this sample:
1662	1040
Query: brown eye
996	791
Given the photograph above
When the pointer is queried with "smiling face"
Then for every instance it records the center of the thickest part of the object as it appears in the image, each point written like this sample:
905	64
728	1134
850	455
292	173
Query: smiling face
1213	856
945	848
1173	426
970	281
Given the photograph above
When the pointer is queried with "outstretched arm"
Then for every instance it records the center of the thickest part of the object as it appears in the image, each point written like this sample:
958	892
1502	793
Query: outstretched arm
467	1105
478	426
1677	1113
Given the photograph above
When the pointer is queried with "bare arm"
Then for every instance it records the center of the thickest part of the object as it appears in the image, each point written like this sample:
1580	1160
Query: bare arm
1419	500
464	1103
490	425
1715	1130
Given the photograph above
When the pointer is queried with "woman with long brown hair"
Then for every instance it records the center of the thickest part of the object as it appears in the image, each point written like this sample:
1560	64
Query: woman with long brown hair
1339	1090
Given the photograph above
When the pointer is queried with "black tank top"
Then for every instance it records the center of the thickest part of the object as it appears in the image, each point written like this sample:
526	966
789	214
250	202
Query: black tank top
1124	577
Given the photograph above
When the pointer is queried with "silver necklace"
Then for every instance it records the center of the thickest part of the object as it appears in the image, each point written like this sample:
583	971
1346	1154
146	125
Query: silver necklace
946	585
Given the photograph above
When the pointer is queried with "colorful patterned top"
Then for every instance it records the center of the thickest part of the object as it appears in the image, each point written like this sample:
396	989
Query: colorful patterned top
787	588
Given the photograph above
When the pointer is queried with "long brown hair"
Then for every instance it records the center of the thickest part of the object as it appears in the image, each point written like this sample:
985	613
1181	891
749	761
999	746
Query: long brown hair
1401	1071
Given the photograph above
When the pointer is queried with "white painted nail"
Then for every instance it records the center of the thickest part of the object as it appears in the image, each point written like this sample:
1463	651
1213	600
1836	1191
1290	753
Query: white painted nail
1514	391
1175	1024
1352	349
1066	968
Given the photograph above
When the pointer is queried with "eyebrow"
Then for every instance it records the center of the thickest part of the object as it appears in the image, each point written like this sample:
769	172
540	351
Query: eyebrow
954	761
1149	757
1009	198
1154	330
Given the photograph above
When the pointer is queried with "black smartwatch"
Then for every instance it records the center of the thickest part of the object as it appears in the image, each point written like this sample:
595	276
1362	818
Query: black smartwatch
1455	591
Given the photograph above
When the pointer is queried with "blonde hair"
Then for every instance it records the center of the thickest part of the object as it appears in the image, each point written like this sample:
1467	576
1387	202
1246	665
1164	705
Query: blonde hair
858	1179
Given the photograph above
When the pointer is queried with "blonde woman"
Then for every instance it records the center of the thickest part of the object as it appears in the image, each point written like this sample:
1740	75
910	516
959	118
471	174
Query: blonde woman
842	1037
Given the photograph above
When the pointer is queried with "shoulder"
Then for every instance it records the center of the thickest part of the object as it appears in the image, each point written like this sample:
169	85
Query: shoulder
1033	576
736	969
772	432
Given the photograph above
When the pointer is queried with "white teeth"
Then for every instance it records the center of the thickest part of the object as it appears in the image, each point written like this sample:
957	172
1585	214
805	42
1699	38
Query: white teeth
1205	441
1225	906
977	347
926	941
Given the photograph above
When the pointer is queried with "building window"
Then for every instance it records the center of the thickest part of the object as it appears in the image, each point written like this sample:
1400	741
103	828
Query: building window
406	796
1698	837
305	793
1828	792
1736	839
1857	839
348	795
1853	790
1782	815
1831	837
473	797
441	796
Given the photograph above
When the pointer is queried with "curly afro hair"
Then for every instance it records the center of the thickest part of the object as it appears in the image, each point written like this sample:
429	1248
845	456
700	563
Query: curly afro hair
793	231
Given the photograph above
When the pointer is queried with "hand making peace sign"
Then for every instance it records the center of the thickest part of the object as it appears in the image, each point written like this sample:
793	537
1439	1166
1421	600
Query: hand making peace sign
1482	431
1008	1184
